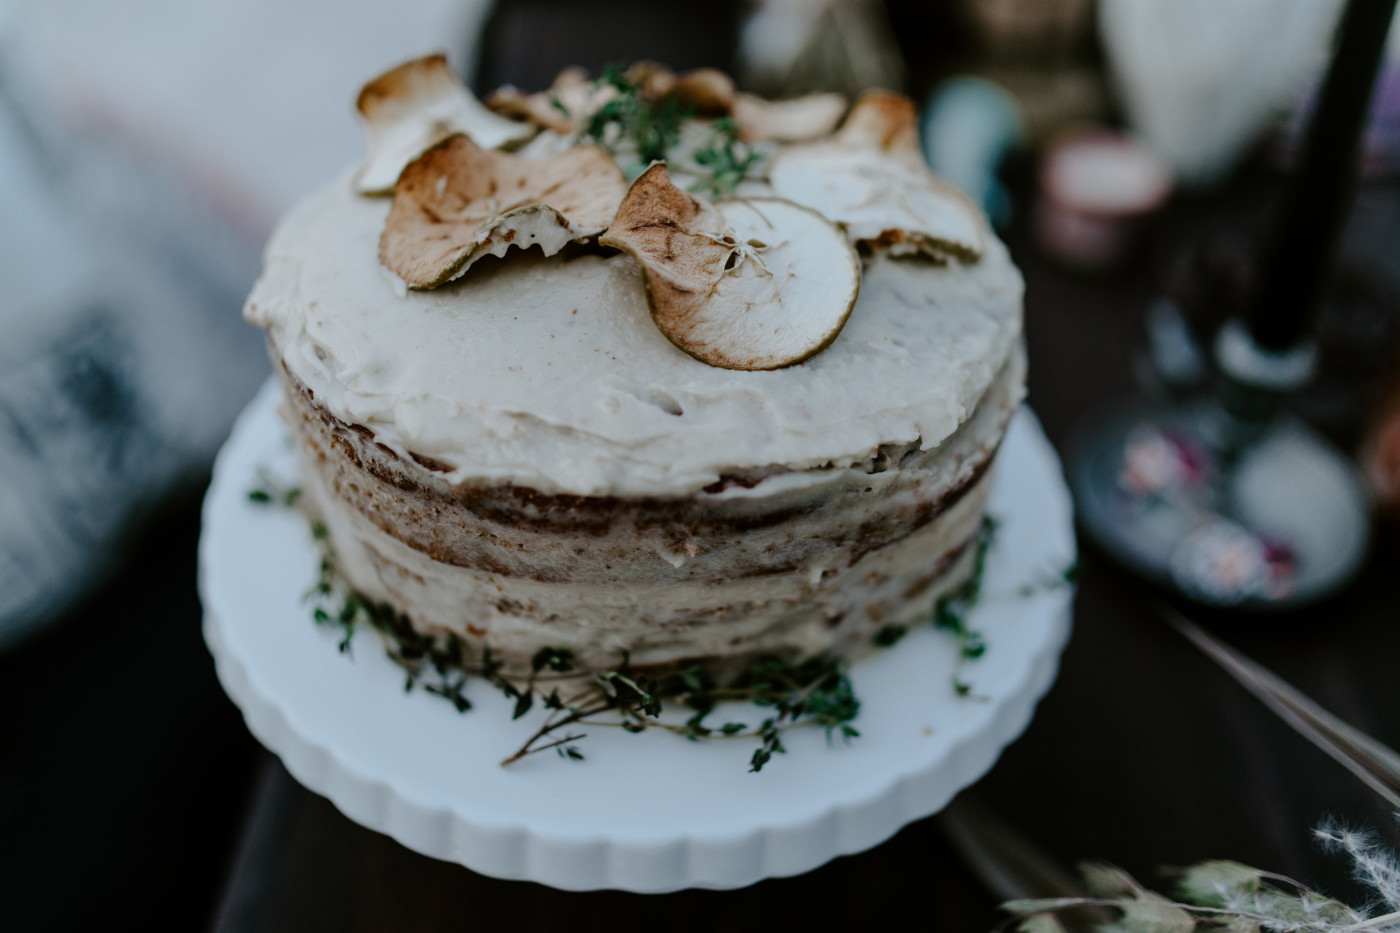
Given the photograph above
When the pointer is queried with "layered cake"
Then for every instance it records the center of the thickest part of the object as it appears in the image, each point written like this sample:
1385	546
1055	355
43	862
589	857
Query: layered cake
552	389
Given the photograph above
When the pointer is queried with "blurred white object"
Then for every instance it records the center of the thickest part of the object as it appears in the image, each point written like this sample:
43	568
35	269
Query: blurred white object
252	102
1200	79
145	150
792	47
122	361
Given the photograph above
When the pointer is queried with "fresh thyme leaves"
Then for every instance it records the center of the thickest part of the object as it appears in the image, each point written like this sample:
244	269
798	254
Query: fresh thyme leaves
270	491
558	660
635	120
653	127
890	635
568	750
817	692
452	691
826	700
1224	895
950	611
814	693
727	158
1067	577
439	665
554	659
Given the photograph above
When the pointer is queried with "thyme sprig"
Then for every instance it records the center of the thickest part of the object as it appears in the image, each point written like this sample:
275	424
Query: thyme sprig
814	693
652	126
1069	576
817	692
727	158
271	491
950	611
633	119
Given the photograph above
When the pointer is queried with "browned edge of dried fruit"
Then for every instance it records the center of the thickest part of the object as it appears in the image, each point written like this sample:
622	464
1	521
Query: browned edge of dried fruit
683	206
855	295
884	121
398	82
458	155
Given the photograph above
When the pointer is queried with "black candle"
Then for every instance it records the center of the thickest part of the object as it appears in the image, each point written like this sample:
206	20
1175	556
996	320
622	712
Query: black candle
1317	199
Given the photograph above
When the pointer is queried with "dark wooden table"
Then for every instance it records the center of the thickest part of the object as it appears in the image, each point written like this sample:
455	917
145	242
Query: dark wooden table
129	790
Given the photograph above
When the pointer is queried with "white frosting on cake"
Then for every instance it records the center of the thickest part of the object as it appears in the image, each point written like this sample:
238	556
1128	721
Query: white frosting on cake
550	374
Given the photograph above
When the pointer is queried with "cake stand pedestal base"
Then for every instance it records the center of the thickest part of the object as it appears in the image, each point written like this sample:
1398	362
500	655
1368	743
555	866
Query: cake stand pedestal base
650	812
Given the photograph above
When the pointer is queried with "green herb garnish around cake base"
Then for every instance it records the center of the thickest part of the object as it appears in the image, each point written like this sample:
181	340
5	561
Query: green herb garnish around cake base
785	695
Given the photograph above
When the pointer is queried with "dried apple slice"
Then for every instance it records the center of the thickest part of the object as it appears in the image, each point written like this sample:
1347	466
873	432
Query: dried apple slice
458	202
411	107
749	284
871	178
651	79
709	91
706	91
568	103
794	120
884	122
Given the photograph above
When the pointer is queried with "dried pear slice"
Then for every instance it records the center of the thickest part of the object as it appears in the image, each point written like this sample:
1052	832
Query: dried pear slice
411	107
568	103
651	79
458	202
788	121
746	284
706	91
885	122
882	204
709	91
871	178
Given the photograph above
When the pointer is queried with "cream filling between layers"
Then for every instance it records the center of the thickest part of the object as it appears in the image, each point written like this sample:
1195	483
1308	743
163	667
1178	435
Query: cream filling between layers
758	524
797	614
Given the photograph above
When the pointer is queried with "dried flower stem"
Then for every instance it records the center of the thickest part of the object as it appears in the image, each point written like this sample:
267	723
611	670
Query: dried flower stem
1229	896
1373	763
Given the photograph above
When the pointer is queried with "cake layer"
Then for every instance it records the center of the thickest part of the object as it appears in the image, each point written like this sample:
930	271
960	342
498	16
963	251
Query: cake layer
524	459
750	524
793	563
813	610
549	374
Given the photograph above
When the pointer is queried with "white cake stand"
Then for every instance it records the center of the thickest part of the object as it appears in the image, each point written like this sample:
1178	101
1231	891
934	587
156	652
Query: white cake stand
648	812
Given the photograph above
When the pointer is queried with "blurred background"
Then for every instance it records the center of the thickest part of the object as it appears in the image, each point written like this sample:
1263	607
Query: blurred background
1130	151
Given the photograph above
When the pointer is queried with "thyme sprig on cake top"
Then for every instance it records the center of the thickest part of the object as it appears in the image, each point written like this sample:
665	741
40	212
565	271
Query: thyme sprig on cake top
650	375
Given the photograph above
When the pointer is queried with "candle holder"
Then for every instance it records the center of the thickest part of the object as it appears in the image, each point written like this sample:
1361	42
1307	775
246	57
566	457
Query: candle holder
1228	500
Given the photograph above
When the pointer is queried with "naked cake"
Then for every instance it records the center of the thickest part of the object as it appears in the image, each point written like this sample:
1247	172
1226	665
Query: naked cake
554	387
